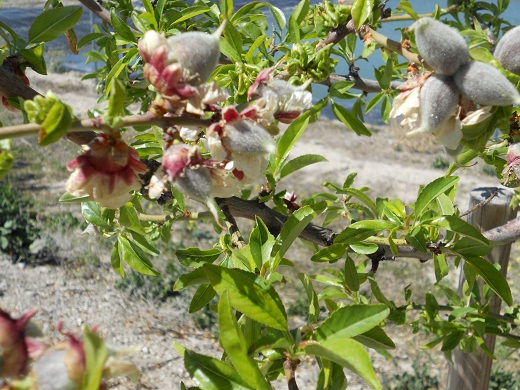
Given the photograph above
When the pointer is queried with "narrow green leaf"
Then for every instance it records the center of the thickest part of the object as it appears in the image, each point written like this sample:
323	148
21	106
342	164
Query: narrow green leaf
50	24
364	248
193	278
350	321
375	338
456	225
129	219
294	30
451	340
430	192
210	373
295	225
291	135
406	7
351	275
314	307
349	119
440	266
96	355
195	257
121	27
34	57
278	15
68	198
491	276
329	253
246	294
349	354
231	43
92	214
261	243
361	10
202	297
134	257
469	247
361	230
191	12
234	343
116	103
299	163
115	260
226	7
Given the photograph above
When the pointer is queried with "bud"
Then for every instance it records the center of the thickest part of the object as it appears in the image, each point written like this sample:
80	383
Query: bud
107	172
14	354
507	51
511	172
197	52
441	46
485	85
439	100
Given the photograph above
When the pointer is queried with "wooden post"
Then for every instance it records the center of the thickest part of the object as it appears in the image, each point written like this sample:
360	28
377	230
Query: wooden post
471	371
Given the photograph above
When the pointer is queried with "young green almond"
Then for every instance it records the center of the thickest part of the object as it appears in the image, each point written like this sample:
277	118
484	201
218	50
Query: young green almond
197	52
439	100
485	85
441	46
507	51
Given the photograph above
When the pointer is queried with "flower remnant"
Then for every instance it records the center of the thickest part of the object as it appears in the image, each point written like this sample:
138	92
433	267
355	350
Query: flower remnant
106	172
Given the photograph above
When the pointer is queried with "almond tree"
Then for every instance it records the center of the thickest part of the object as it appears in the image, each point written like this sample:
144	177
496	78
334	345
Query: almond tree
214	82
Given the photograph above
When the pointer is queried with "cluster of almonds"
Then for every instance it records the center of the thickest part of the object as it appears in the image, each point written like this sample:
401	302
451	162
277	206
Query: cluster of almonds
461	92
214	162
61	366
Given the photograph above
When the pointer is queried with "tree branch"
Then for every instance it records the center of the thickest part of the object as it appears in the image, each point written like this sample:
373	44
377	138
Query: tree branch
505	233
337	34
101	12
366	85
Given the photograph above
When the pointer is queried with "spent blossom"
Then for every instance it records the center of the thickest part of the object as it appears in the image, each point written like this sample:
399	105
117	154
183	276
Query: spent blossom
106	172
409	108
179	67
277	99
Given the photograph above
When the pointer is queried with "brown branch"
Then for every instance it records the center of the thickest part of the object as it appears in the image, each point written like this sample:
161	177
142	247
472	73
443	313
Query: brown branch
362	84
289	367
337	34
506	233
102	13
231	223
481	204
249	209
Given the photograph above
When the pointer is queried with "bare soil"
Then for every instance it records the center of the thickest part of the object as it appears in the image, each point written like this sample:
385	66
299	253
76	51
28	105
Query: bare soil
391	165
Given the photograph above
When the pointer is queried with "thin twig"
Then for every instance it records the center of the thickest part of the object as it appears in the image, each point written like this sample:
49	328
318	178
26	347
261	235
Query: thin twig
337	34
399	18
365	85
481	204
289	367
236	236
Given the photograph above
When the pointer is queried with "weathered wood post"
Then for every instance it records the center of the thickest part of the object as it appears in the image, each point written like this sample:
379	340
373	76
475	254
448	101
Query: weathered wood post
470	371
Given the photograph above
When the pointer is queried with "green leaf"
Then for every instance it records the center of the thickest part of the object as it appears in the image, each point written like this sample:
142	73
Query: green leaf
34	57
440	266
92	214
193	278
50	24
195	257
430	192
291	135
299	163
191	12
469	247
202	297
69	198
6	163
278	15
375	338
295	225
406	7
261	243
234	343
96	355
231	43
56	123
129	219
491	276
364	248
349	119
361	230
349	354
457	225
350	321
314	307
210	373
132	255
116	103
361	10
252	296
329	253
351	275
226	8
115	260
121	27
